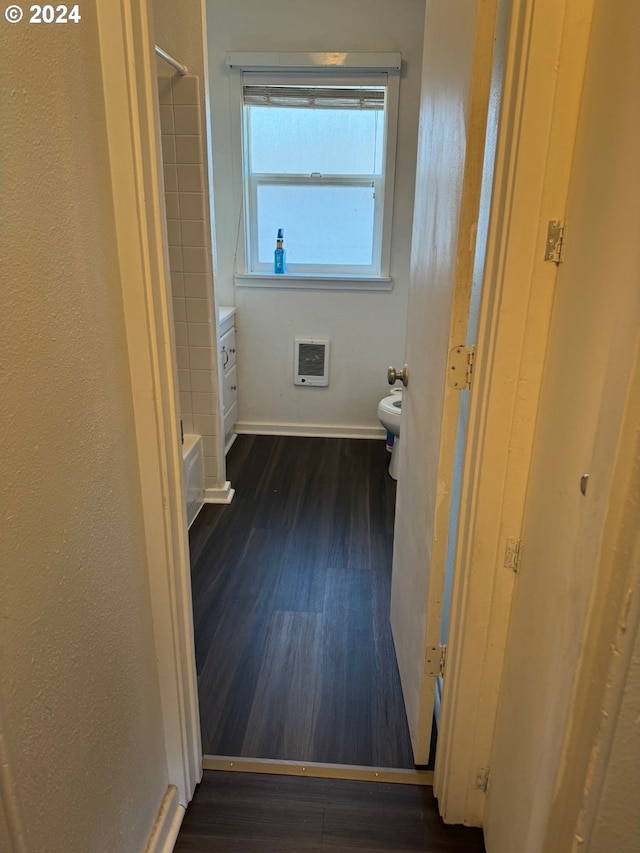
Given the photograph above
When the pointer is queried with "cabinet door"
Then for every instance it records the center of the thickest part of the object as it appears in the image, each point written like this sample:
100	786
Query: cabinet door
228	349
229	389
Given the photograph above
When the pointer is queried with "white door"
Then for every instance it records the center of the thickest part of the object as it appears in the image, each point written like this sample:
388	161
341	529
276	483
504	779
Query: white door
457	60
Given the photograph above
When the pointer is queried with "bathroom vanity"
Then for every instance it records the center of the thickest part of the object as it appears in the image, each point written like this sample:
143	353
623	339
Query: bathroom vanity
226	320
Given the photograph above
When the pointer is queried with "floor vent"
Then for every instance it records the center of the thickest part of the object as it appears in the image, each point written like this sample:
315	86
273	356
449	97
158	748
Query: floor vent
311	361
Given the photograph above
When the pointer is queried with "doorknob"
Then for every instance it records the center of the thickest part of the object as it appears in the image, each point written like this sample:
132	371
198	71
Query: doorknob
394	375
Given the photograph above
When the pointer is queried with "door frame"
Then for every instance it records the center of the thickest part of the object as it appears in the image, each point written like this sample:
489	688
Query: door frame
132	121
534	150
547	43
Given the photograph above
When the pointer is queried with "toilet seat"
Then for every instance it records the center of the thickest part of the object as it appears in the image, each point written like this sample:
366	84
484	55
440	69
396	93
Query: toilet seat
391	405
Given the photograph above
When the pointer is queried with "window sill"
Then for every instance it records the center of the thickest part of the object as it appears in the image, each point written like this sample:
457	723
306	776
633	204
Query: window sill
313	282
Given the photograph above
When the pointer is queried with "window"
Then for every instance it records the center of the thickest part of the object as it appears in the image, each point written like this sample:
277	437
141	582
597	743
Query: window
317	156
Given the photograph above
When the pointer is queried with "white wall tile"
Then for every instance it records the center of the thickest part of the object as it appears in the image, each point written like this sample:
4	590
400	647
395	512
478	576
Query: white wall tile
197	285
189	256
186	90
202	381
175	258
169	148
197	310
192	233
186	119
200	358
165	93
180	331
188	149
210	469
192	205
209	445
177	284
190	178
179	309
202	403
182	357
174	232
194	259
184	380
199	334
166	119
205	425
170	178
172	206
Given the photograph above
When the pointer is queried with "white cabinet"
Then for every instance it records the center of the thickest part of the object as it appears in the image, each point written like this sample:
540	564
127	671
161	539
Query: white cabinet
229	382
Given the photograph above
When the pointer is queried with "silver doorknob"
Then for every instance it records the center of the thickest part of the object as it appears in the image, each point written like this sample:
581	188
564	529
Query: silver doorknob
394	375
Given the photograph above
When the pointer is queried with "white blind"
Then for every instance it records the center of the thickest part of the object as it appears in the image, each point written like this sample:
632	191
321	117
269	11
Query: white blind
318	97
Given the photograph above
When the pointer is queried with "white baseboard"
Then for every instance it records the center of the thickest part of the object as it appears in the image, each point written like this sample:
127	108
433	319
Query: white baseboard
309	430
167	824
222	495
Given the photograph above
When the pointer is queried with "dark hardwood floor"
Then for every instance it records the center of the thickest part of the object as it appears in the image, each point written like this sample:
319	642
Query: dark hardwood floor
255	813
291	586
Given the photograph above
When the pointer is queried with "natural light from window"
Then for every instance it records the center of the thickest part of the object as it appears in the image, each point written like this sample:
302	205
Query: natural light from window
314	166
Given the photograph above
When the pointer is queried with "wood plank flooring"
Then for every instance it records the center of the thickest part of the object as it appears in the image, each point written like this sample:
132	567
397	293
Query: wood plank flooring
287	814
291	586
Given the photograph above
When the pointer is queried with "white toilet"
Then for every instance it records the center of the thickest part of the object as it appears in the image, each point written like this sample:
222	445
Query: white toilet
389	416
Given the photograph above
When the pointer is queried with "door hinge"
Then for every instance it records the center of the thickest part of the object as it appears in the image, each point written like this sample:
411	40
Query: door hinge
460	367
512	554
555	241
482	778
435	660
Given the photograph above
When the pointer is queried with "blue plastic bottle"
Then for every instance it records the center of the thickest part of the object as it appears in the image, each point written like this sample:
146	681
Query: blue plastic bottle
280	255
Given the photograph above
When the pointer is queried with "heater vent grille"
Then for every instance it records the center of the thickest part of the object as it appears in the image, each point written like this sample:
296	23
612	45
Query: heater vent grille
311	361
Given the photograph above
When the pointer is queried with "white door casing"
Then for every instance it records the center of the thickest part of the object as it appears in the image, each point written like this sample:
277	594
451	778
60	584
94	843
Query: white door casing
132	123
544	66
456	76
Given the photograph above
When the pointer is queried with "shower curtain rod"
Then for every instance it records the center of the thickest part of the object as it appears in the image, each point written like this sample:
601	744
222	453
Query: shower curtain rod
181	69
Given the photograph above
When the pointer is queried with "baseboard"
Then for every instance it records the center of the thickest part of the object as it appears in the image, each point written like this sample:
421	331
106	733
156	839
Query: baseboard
309	430
167	824
316	770
222	495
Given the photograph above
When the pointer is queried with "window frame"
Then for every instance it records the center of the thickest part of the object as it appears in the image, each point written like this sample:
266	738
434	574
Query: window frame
318	70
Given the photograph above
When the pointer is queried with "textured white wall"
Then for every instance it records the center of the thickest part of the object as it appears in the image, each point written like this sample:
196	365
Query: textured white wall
366	329
180	34
617	825
81	706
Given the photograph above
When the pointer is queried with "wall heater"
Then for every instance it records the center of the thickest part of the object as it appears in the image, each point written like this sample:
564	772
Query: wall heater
311	361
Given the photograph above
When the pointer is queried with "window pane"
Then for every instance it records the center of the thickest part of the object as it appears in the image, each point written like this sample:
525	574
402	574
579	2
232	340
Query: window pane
322	224
301	141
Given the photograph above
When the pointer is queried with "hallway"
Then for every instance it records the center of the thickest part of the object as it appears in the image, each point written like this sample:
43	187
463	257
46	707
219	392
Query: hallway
291	586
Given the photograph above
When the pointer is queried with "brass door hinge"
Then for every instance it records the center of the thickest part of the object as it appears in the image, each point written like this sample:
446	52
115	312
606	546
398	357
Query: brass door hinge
460	367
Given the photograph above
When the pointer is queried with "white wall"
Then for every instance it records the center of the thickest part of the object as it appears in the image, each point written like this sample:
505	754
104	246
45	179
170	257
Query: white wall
617	824
81	716
366	329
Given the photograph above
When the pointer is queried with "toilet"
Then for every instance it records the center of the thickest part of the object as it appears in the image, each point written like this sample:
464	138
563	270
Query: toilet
389	416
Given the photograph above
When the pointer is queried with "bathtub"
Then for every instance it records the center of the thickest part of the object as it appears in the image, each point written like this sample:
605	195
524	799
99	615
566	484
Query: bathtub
193	466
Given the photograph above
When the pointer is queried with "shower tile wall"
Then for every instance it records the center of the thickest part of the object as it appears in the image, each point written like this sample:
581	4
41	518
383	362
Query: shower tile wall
185	186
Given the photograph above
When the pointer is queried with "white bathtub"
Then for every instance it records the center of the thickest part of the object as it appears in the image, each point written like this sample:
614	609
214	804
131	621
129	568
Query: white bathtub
193	464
